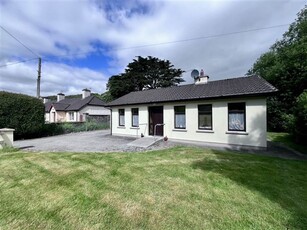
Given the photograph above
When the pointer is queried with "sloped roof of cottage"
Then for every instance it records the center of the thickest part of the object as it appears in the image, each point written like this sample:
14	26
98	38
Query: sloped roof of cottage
233	87
74	104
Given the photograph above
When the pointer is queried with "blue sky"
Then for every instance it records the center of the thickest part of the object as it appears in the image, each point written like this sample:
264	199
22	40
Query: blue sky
83	43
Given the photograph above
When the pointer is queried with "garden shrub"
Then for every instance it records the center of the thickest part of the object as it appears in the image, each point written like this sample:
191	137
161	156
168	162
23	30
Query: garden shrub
23	113
300	128
52	129
287	122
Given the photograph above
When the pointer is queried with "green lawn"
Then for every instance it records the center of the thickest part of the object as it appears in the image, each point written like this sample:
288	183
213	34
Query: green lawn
287	140
178	188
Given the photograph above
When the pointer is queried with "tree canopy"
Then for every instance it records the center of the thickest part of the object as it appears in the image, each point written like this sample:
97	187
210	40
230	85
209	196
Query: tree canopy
144	73
285	66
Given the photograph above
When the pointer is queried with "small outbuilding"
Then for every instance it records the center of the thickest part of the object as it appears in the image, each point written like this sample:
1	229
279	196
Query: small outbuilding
229	112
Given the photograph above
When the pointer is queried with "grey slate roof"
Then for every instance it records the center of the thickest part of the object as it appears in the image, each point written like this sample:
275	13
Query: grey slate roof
48	106
74	104
242	86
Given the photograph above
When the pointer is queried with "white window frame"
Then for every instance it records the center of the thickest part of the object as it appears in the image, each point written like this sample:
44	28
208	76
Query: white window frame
71	116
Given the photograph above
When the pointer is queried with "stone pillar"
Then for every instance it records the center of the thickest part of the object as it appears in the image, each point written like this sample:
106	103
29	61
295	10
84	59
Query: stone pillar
6	137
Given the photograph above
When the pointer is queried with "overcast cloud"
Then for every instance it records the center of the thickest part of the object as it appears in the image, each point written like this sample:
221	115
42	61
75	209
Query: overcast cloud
103	34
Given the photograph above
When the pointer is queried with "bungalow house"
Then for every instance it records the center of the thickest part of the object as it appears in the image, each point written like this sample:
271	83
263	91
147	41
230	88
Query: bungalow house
75	109
229	112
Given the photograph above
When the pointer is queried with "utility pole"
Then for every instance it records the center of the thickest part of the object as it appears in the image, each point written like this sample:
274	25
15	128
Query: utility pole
38	90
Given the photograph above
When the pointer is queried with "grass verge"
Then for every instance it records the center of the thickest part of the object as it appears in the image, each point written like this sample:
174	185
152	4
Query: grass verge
287	140
178	188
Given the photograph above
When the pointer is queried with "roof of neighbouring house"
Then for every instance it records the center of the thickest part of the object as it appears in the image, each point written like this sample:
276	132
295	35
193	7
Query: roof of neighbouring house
74	104
242	86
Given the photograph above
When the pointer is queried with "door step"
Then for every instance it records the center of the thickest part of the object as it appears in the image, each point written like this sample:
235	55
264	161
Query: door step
145	142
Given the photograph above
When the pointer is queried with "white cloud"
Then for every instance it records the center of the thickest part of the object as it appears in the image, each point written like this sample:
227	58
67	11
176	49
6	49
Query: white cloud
55	78
69	27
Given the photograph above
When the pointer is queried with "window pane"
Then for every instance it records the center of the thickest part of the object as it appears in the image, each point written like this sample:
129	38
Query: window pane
205	121
205	117
121	111
180	117
236	107
71	116
179	109
135	111
135	120
135	117
236	121
180	121
121	120
121	117
204	109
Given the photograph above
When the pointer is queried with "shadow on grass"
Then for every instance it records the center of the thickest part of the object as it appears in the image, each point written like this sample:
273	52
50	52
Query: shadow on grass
280	181
287	140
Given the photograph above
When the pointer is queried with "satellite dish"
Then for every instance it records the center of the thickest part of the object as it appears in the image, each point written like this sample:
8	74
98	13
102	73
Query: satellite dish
194	73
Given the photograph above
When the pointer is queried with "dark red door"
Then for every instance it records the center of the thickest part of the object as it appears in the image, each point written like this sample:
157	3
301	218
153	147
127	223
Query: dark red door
155	117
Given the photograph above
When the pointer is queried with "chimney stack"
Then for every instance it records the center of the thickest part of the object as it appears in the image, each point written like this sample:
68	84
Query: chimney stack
60	96
45	100
86	93
202	79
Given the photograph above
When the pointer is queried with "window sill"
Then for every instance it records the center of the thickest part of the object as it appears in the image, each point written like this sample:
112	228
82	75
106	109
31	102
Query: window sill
134	127
179	130
204	131
237	132
121	127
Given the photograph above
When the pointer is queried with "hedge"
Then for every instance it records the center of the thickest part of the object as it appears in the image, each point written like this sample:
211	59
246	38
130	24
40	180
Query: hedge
23	113
52	129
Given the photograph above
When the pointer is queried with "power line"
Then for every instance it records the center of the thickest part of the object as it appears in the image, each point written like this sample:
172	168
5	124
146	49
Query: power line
157	44
176	41
14	63
203	37
19	41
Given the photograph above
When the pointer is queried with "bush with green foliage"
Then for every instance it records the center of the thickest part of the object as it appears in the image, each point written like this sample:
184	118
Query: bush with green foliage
300	113
288	122
52	129
73	127
285	67
23	113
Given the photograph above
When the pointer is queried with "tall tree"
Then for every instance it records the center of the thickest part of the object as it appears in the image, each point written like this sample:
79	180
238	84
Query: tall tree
285	66
142	74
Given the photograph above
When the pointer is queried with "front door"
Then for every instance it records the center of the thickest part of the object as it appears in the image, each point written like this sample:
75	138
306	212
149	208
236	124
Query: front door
155	117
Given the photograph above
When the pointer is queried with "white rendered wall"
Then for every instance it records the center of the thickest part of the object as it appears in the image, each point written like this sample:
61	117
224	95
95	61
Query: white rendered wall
47	117
95	110
128	129
60	116
64	116
255	134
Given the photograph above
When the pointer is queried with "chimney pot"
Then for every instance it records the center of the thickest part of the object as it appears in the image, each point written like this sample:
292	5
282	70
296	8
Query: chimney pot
45	100
202	79
60	96
86	93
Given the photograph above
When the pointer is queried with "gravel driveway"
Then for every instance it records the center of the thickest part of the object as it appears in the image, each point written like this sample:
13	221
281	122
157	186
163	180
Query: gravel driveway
94	141
102	141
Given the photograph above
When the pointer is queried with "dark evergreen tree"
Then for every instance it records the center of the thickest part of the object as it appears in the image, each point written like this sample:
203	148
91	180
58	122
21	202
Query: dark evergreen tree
142	74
